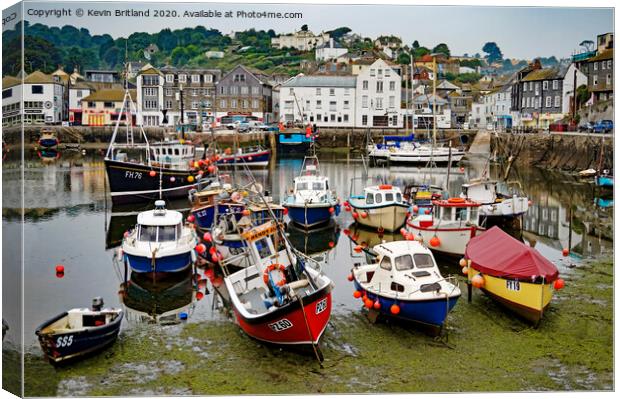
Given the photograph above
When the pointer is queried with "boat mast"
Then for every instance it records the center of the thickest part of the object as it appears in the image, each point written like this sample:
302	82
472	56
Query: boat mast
434	102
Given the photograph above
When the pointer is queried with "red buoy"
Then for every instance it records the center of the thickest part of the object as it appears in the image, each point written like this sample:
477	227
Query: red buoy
355	215
368	303
435	241
60	269
427	211
191	218
331	209
416	208
60	275
358	248
331	244
395	309
357	294
212	250
214	258
152	173
364	215
377	305
200	248
558	284
565	252
199	295
246	212
285	211
350	277
207	237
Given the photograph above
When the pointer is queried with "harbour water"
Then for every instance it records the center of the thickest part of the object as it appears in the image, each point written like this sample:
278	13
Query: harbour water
70	221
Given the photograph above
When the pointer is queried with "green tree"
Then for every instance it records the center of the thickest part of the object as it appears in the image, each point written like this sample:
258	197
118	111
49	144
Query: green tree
179	56
338	33
493	52
113	57
468	77
404	59
415	45
420	52
442	48
583	95
304	28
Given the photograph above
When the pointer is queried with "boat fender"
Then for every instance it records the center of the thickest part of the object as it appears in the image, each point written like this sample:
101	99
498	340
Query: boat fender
456	200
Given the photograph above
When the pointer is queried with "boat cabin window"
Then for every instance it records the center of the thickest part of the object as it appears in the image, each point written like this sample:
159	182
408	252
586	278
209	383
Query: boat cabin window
317	185
326	185
148	233
302	186
473	215
403	262
370	199
166	233
461	214
378	198
386	263
446	213
176	151
389	197
262	245
423	261
399	197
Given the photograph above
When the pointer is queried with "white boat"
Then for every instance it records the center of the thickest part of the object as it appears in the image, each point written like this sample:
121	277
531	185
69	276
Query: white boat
404	282
381	207
311	203
424	153
160	242
494	204
449	227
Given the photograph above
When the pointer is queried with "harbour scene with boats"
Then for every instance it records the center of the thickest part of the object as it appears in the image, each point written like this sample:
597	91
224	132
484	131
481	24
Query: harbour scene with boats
226	254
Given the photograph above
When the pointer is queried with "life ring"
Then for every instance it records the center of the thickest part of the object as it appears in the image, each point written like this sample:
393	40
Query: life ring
385	187
272	267
456	200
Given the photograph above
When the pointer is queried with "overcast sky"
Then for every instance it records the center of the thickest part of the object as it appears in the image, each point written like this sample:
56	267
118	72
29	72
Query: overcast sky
520	32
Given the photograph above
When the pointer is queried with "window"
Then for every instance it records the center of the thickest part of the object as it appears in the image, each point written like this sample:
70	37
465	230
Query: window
246	90
347	91
170	78
332	92
536	88
364	101
556	101
370	199
150	104
392	85
195	92
379	103
380	72
195	105
523	102
386	263
255	104
545	85
531	86
233	103
208	78
234	90
403	262
222	103
239	78
364	120
332	118
372	72
332	105
609	64
168	104
148	233
255	90
378	198
262	245
379	87
245	104
318	117
603	65
346	104
548	101
91	104
182	78
555	85
78	94
150	80
525	86
318	104
423	261
345	117
108	104
389	197
364	85
594	80
8	93
169	92
37	89
527	102
608	79
150	91
195	78
392	101
318	91
595	66
387	72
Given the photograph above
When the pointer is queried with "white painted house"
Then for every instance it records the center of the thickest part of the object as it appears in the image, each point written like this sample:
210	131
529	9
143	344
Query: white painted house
378	93
329	50
41	95
321	100
150	97
572	73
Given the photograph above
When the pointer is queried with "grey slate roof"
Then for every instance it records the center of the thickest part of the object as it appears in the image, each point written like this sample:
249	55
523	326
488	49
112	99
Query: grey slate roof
321	81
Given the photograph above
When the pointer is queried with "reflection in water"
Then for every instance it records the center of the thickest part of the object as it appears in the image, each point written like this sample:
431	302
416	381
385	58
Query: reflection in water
315	242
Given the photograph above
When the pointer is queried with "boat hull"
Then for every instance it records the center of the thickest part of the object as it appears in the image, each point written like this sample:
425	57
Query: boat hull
309	216
605	181
61	347
132	182
388	218
287	325
204	216
48	143
171	263
255	159
423	158
293	143
452	240
431	312
526	299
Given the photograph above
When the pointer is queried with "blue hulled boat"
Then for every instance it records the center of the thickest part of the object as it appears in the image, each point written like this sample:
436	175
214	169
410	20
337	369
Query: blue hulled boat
159	242
405	283
294	143
312	202
48	139
605	180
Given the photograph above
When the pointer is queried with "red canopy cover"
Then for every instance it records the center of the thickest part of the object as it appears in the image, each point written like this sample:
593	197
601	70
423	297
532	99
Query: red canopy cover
500	255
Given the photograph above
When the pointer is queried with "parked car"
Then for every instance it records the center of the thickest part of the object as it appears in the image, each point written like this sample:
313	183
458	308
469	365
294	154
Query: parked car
603	126
586	126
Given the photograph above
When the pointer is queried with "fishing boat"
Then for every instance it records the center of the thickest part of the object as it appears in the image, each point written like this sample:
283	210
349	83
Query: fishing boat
604	179
380	207
421	197
48	138
512	273
404	282
449	227
415	153
379	152
279	299
493	205
311	203
256	156
293	142
159	242
78	332
205	206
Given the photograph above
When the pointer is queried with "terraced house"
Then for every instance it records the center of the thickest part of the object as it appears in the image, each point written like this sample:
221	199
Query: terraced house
244	92
600	73
41	96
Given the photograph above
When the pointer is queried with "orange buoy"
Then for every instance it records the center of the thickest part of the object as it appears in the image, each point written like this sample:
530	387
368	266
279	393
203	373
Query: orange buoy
529	203
456	200
60	269
200	248
416	209
402	231
331	209
465	270
364	297
565	252
395	309
477	281
409	237
350	277
358	248
199	295
435	242
558	284
368	303
152	173
364	215
385	187
246	212
357	294
377	305
331	244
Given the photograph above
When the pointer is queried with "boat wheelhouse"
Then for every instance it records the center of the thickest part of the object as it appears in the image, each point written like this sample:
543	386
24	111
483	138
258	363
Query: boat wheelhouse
449	227
160	242
492	203
404	282
380	207
279	298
